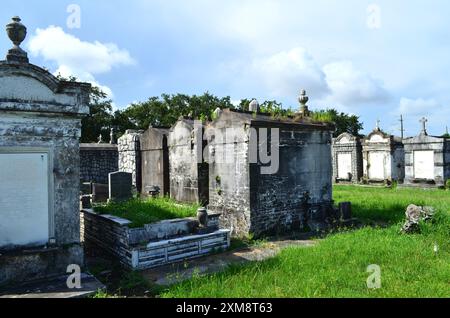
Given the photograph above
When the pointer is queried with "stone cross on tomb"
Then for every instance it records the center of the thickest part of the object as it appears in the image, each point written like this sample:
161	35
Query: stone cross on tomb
424	125
377	127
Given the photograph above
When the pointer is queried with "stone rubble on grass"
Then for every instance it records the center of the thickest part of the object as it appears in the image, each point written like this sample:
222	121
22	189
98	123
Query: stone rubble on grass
414	215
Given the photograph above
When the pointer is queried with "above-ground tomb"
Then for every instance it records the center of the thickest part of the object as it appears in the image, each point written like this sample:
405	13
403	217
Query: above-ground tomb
347	159
383	157
427	160
40	125
269	175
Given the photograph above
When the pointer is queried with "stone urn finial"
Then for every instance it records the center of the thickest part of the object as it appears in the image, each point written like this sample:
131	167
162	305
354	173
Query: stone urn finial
112	138
303	99
17	33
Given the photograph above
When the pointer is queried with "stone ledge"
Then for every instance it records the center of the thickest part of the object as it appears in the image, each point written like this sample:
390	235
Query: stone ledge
111	218
98	147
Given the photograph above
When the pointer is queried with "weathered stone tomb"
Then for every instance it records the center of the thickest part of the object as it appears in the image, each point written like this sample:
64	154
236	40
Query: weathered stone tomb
155	161
189	172
129	148
269	175
427	160
40	125
347	159
383	157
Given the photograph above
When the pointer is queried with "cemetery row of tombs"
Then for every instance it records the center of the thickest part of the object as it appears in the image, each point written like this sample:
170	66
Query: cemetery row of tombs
272	175
204	163
276	176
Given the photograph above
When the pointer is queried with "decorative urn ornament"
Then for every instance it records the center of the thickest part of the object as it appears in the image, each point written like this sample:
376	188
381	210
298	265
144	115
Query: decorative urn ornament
202	215
17	33
303	99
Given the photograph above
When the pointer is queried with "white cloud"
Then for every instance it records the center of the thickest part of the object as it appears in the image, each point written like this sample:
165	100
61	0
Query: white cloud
351	86
76	57
338	84
285	73
417	107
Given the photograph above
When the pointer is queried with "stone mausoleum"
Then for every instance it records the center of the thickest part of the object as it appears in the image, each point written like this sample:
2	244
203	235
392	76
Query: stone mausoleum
189	174
427	160
155	161
40	125
347	159
270	175
383	157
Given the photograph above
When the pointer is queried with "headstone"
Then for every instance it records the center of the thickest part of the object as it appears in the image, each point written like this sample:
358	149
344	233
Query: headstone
120	185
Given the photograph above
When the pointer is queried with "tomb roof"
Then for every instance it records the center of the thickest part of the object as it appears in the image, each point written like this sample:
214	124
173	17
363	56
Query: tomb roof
260	119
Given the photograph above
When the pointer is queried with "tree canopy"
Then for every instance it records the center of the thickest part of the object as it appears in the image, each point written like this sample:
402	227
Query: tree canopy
165	110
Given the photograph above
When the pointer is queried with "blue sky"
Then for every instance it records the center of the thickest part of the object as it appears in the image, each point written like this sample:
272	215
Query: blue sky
377	59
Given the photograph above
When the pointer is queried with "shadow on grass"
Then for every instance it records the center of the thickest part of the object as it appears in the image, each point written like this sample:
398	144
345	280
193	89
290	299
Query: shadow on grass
394	214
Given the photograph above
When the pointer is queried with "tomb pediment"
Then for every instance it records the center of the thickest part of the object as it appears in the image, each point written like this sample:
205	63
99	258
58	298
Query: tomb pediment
378	136
26	87
422	139
346	138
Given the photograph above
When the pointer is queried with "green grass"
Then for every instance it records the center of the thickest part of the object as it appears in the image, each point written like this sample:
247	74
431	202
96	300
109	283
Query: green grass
142	212
389	205
337	266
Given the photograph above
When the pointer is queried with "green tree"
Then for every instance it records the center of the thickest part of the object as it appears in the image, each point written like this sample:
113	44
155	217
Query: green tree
344	122
100	119
164	111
